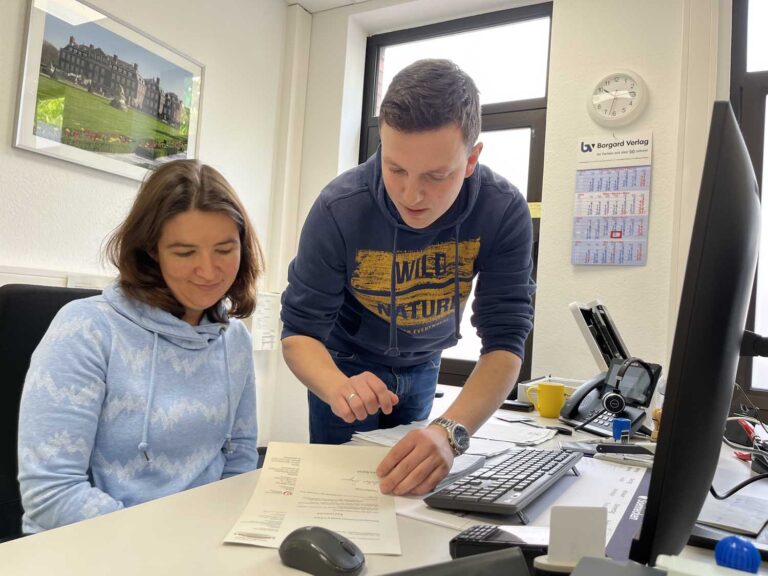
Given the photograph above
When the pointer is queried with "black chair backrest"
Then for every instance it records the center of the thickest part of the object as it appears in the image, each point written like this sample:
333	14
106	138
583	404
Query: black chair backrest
25	314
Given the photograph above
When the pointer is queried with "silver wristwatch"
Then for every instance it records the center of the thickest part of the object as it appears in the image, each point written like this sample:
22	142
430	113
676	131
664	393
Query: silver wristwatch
458	437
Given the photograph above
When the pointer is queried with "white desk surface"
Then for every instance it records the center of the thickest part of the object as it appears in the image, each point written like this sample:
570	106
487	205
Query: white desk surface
183	533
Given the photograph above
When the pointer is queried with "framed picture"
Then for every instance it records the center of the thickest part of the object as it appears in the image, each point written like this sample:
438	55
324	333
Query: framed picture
96	91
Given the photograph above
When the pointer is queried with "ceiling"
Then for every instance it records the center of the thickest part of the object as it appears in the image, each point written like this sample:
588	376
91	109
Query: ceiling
313	6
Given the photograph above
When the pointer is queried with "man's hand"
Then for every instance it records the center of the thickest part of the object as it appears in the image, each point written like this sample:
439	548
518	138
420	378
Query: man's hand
361	396
417	463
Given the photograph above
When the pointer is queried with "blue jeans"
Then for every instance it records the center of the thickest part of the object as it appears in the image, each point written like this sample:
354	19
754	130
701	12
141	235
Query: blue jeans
414	386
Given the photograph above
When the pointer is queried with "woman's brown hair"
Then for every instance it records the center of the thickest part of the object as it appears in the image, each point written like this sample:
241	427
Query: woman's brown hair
171	189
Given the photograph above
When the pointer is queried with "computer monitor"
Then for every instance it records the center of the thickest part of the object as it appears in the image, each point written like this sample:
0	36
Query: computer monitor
705	351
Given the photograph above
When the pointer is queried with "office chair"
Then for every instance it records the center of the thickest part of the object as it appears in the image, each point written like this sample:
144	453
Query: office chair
25	314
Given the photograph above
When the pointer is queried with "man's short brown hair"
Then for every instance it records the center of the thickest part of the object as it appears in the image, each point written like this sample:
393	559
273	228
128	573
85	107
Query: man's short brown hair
173	188
430	94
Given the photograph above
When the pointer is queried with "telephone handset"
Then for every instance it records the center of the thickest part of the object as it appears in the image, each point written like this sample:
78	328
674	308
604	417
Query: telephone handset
635	387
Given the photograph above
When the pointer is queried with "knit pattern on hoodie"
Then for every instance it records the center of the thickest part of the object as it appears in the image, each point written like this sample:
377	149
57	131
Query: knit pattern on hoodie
93	386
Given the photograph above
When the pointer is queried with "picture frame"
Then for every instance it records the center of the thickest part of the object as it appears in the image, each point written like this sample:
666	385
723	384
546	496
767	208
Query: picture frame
96	91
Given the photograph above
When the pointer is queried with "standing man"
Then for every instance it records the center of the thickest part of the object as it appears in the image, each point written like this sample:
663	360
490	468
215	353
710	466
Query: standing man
384	267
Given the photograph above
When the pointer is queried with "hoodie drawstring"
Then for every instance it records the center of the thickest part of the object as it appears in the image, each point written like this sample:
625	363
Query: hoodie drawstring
230	417
144	444
456	292
393	349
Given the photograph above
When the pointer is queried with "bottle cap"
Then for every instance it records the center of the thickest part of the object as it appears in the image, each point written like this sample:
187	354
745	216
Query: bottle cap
737	553
621	428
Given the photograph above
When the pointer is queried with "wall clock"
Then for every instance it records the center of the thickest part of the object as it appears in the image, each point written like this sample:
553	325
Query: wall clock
618	98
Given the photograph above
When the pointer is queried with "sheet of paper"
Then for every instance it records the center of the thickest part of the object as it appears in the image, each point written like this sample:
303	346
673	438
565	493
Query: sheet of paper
265	321
390	436
738	514
487	447
520	434
508	437
335	487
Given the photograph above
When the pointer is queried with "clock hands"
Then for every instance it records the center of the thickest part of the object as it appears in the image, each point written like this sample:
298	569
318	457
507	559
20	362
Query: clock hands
627	96
600	98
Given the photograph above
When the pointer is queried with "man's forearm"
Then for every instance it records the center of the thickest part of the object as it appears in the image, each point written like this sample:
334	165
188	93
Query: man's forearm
486	388
311	363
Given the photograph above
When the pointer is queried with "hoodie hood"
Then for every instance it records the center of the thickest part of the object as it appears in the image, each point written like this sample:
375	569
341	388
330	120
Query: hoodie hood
165	325
453	218
162	323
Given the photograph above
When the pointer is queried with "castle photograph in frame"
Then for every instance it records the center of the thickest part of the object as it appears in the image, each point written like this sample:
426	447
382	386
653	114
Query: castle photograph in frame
98	92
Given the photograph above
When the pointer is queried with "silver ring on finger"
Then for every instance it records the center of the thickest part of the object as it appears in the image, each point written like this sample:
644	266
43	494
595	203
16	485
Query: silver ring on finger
351	396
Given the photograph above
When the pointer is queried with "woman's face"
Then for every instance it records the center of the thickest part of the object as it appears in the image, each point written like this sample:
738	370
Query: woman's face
199	257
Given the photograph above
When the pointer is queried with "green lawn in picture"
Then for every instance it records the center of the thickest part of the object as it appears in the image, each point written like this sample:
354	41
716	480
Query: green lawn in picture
88	121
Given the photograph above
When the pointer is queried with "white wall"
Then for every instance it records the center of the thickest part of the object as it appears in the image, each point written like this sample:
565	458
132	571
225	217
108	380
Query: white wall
673	44
54	215
677	54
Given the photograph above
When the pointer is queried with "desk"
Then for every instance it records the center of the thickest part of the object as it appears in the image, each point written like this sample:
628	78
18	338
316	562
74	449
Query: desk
183	533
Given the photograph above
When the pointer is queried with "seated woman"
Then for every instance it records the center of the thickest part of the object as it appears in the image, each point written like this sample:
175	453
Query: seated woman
148	389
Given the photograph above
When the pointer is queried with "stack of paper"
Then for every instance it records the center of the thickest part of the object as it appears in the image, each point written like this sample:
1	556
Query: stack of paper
492	438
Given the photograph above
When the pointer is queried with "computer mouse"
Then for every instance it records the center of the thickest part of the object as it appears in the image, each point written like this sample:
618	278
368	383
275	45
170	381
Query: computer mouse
321	552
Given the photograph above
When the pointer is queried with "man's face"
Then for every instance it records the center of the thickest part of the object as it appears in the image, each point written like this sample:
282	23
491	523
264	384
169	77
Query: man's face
423	171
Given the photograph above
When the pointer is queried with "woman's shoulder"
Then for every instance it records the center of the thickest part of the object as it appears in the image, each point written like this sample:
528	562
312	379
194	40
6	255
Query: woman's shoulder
93	308
238	330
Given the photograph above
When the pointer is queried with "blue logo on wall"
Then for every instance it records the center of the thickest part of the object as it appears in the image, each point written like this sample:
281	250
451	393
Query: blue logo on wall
586	147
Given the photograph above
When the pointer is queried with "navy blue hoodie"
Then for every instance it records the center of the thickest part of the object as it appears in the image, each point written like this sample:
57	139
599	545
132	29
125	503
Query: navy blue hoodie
346	289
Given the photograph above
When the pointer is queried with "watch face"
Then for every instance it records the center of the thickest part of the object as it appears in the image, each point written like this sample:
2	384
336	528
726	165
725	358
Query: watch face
617	99
461	438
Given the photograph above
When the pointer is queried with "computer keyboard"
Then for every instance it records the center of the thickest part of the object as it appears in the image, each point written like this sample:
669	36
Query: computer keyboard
507	485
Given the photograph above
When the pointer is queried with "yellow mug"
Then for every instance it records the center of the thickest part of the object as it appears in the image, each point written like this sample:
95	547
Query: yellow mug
548	398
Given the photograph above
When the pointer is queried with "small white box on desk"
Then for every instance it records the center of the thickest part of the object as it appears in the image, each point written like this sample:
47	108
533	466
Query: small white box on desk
570	384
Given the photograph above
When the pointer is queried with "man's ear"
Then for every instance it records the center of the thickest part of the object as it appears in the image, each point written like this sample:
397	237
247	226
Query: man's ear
474	156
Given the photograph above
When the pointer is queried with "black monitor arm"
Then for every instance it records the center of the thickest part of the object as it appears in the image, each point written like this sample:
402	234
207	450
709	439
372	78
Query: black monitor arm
753	344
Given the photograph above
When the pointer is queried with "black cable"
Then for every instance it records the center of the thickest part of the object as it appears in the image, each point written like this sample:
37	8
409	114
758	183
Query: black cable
736	488
752	404
581	426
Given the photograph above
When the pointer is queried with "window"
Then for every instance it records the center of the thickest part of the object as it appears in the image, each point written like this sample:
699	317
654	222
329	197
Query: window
513	99
749	98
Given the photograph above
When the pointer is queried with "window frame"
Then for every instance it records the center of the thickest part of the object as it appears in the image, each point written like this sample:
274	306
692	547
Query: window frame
517	114
748	93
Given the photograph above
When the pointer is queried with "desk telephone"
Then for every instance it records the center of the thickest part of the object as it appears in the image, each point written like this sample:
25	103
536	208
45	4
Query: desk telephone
628	380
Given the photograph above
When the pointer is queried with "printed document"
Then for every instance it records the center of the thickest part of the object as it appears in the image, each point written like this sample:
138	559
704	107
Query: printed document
335	487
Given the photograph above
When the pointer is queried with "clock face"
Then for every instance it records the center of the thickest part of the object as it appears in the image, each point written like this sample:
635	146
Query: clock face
617	99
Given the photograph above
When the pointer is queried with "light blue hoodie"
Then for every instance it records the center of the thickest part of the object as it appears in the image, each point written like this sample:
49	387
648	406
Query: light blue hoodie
124	403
